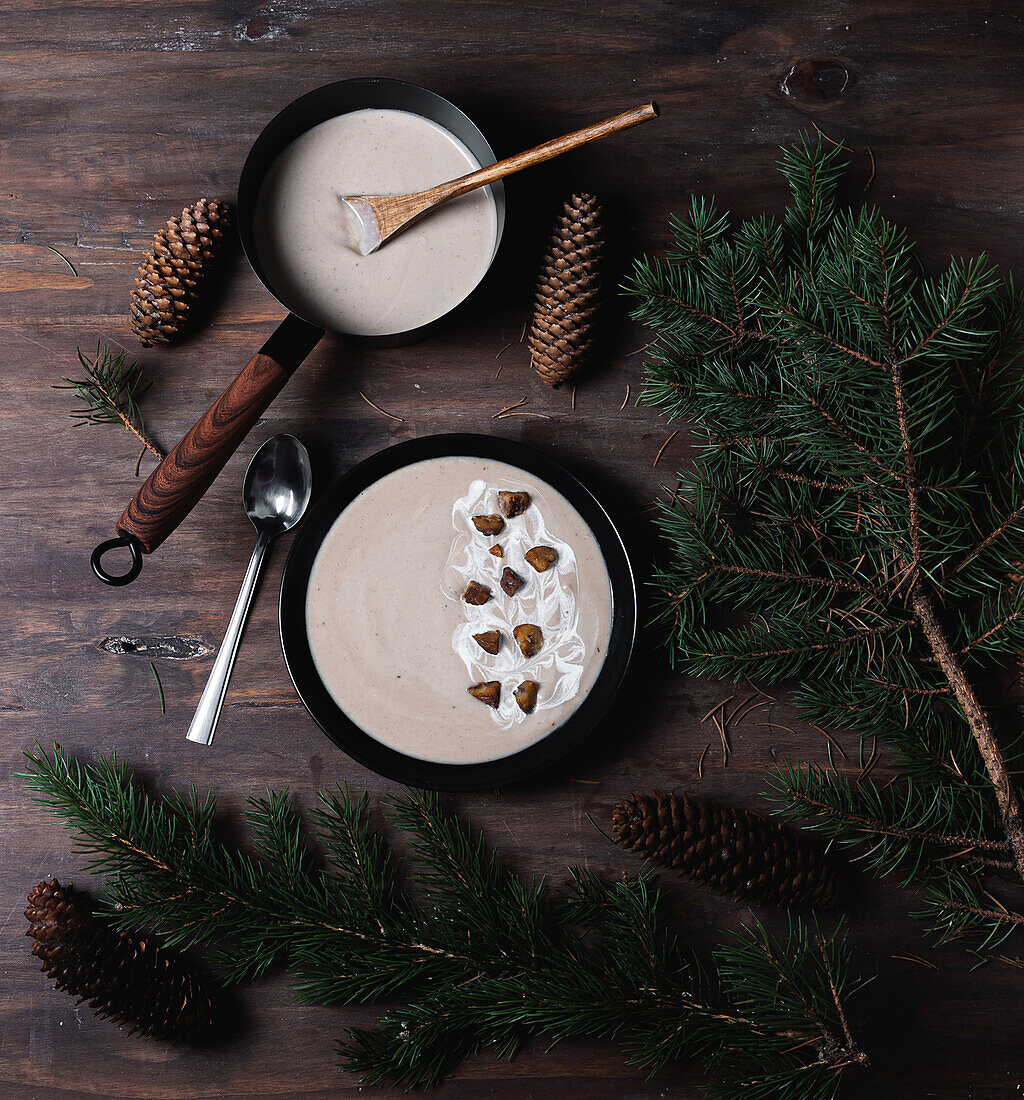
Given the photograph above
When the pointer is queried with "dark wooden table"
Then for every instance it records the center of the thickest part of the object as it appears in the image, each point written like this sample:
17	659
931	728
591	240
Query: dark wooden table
113	115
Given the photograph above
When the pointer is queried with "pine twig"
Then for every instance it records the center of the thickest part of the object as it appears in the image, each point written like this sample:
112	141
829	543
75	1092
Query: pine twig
110	392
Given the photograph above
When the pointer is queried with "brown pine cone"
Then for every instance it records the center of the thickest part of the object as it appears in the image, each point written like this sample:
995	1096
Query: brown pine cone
171	276
123	977
563	333
734	851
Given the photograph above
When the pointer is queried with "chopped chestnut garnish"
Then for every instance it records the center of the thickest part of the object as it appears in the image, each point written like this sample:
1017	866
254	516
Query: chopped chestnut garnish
526	696
489	525
513	504
542	557
488	692
489	641
511	582
496	550
529	638
476	593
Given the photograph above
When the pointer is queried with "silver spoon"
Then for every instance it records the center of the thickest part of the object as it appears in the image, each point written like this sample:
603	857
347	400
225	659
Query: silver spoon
275	495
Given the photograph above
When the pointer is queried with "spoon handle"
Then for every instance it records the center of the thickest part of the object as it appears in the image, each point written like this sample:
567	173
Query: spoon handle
204	722
553	148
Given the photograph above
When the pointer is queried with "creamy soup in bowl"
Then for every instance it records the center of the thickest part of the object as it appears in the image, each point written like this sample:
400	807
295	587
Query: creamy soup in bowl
457	619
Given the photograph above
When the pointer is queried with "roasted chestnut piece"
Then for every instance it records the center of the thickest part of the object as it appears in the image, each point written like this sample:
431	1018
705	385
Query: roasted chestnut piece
513	504
511	582
542	557
488	692
526	696
476	593
489	525
489	641
496	550
529	638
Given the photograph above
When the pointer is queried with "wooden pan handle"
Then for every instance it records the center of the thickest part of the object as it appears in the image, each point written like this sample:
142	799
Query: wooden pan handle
174	488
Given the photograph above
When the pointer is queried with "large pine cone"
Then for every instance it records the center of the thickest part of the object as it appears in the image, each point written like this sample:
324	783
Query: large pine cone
171	276
127	979
566	304
734	851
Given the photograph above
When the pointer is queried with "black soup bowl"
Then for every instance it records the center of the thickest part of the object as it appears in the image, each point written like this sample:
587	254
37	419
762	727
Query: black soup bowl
361	745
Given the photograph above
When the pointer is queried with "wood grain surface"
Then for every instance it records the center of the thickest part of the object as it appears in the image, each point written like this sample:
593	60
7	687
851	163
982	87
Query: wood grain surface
113	115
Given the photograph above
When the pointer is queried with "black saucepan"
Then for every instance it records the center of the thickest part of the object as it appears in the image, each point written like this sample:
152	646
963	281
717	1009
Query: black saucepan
174	488
356	741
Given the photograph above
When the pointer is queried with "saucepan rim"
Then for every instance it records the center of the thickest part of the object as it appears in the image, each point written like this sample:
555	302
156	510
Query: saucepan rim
329	101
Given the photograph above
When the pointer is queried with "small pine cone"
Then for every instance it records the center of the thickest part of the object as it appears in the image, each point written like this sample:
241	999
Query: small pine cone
734	851
566	303
171	276
123	977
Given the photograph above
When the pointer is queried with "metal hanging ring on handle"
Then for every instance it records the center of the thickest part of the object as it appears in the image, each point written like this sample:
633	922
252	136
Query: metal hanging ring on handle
115	580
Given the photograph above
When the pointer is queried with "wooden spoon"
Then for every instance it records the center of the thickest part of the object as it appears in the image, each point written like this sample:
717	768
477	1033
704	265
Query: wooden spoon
370	220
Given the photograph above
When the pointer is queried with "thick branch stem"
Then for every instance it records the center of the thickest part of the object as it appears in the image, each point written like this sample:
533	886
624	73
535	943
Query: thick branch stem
1007	797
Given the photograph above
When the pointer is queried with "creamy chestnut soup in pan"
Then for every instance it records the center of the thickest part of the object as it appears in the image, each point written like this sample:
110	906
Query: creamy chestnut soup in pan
459	610
424	272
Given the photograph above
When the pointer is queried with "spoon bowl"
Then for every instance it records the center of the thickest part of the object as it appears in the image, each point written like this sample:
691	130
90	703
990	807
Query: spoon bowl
275	495
277	485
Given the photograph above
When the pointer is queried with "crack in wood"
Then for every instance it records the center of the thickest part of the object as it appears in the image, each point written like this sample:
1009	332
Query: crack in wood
168	647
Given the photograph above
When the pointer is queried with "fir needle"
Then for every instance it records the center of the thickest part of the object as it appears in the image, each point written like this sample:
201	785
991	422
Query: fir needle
383	412
625	399
574	399
509	408
832	740
64	258
700	762
505	348
663	446
726	747
871	178
505	416
917	959
138	464
716	707
522	335
159	687
598	827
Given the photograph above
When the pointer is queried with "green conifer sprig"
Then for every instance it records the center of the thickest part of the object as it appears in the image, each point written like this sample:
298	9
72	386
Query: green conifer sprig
109	391
477	956
857	506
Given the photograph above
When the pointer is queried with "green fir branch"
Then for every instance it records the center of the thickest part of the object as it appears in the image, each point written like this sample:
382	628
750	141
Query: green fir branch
855	514
477	956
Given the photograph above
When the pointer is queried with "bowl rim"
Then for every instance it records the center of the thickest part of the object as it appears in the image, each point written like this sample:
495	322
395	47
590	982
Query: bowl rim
347	734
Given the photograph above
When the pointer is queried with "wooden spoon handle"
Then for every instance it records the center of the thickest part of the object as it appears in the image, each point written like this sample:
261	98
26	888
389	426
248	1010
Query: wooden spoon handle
553	148
174	488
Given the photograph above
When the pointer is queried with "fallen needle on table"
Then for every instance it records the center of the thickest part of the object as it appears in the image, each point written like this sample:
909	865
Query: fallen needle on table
509	408
159	687
70	264
383	412
625	399
663	446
